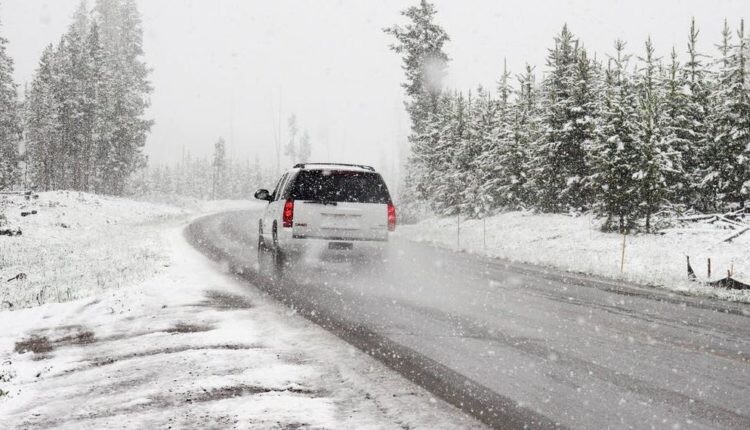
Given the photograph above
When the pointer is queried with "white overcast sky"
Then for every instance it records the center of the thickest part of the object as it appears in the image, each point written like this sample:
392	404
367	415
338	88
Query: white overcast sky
222	66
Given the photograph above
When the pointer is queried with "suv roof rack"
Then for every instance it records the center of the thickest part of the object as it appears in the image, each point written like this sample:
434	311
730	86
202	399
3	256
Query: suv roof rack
361	166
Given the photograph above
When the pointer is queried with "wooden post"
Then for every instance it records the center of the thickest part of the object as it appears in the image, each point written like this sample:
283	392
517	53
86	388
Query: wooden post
484	234
622	256
458	231
709	269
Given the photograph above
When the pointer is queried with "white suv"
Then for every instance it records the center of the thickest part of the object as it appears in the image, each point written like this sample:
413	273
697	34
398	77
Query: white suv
325	210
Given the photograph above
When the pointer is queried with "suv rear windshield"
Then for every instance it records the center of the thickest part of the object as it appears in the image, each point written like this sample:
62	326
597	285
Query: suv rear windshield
340	186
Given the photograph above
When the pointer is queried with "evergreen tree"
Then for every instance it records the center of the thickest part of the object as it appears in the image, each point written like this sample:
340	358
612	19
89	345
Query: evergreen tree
657	160
526	132
42	124
420	43
76	109
448	189
586	88
428	155
219	170
691	135
291	147
615	155
561	159
728	174
494	125
97	126
471	161
127	87
678	132
10	121
258	173
305	150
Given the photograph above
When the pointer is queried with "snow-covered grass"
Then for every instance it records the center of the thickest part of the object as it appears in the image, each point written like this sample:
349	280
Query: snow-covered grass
193	348
78	244
577	244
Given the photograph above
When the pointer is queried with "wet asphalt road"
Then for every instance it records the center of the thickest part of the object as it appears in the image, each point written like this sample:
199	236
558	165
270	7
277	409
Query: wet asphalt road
518	345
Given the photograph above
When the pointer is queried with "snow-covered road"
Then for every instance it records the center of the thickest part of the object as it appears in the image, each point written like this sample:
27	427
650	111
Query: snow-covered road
516	344
195	348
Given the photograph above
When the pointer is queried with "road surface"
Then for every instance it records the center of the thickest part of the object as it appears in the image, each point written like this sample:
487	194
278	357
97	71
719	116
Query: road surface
518	345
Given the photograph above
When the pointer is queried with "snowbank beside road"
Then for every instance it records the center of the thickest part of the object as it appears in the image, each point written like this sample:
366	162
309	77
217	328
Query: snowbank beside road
78	244
576	244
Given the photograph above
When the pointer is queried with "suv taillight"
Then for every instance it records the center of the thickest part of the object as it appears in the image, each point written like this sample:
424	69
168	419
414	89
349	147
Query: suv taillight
288	218
391	217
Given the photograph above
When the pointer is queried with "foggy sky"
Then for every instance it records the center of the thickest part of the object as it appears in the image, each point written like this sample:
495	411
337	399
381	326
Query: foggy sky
222	67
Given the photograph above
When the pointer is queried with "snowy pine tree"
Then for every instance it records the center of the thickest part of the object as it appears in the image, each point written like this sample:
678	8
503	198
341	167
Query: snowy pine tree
727	174
127	87
10	121
657	160
291	147
43	139
586	87
481	137
451	162
679	132
526	133
76	104
494	123
97	99
219	170
693	140
305	149
615	155
560	159
428	152
420	43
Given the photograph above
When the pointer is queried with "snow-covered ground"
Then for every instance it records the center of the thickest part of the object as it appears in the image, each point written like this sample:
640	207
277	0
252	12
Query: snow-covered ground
193	347
577	244
78	244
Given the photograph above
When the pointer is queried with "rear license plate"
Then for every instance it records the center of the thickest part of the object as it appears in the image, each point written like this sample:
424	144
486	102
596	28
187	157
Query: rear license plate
339	245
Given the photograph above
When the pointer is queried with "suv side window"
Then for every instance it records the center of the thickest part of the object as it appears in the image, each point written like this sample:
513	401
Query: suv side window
286	188
275	194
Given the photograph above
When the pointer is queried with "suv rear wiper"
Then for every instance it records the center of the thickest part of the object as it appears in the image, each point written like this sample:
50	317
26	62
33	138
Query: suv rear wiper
321	202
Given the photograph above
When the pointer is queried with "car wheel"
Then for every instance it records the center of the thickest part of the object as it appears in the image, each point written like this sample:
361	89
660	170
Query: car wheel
262	256
278	259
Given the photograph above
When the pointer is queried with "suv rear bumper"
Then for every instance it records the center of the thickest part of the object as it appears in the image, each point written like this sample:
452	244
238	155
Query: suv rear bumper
319	247
337	239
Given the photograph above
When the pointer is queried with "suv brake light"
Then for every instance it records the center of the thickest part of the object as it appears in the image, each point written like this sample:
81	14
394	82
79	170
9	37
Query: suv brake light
288	218
391	217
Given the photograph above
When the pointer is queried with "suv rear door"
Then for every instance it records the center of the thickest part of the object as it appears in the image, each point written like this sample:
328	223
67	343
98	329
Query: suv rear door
340	205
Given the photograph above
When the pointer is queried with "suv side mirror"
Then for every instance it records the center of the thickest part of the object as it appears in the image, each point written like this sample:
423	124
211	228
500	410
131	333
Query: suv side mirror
263	194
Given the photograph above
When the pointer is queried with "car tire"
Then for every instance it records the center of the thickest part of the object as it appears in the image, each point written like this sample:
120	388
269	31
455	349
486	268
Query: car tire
263	252
262	256
278	257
